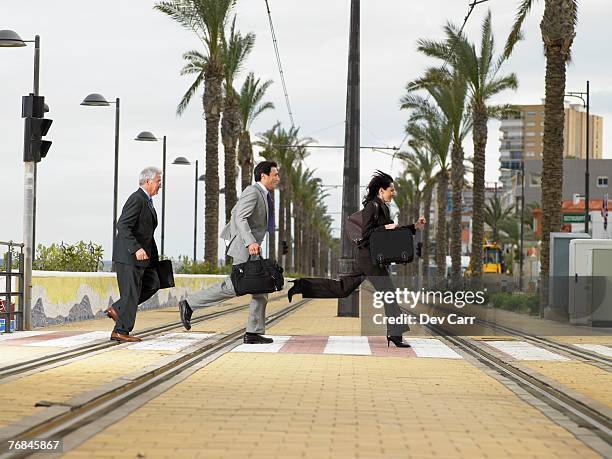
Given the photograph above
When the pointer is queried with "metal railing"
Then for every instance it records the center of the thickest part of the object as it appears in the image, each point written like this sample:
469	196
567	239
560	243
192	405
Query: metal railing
10	313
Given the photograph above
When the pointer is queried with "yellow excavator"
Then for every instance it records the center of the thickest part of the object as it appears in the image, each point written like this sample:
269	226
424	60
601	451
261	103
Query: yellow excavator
494	272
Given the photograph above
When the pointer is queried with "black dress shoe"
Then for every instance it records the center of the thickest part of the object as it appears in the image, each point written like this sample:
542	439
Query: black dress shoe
297	288
185	312
256	338
398	341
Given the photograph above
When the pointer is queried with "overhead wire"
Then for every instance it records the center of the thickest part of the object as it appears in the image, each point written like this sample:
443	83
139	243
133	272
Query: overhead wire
278	62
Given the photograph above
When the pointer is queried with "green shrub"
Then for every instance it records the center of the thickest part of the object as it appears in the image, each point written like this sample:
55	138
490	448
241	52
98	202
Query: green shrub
185	265
80	257
523	303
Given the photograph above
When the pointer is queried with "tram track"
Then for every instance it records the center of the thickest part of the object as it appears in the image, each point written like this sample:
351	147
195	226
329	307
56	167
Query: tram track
75	416
589	356
582	413
68	355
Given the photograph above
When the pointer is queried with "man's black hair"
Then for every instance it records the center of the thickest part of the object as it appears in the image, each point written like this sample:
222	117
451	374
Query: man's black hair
264	167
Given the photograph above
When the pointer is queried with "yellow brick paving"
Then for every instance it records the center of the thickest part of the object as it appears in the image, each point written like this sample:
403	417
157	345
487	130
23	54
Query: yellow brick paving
318	318
317	406
585	379
59	384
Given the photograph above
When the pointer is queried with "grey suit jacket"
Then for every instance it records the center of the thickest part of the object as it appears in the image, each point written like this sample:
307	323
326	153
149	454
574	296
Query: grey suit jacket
248	224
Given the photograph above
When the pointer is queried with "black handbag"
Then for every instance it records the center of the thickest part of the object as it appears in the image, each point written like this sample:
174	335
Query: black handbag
165	274
257	276
392	246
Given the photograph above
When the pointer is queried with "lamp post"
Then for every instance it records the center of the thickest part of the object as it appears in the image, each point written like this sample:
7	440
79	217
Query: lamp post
10	39
146	136
585	104
98	100
182	161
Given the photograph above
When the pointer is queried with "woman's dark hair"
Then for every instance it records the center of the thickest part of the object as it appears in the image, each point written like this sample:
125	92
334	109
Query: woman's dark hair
264	167
379	180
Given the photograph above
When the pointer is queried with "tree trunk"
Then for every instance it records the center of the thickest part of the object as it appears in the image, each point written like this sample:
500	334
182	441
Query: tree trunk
281	219
230	130
479	136
272	236
425	240
298	239
288	228
245	159
441	239
558	34
457	188
213	105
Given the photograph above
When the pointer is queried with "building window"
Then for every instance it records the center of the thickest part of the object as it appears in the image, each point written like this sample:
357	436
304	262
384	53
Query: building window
530	144
530	123
530	134
531	113
602	182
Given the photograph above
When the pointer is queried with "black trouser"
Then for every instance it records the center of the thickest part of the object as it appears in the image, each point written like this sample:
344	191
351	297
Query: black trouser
136	285
379	276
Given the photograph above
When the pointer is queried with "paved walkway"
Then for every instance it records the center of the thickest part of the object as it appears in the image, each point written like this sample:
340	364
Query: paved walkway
322	391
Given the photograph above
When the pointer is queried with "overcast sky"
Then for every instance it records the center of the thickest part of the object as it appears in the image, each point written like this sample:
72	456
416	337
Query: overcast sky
126	49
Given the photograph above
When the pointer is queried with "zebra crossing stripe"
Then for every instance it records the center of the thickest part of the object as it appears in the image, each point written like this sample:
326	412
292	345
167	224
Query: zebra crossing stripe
170	342
348	345
71	341
599	348
521	350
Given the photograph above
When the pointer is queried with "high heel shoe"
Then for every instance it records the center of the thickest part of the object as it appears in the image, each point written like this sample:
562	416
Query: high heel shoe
297	288
397	340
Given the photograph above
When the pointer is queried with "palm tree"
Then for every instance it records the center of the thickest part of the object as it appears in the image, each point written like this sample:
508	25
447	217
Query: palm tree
558	29
495	214
481	72
435	134
449	95
284	147
236	48
207	19
250	106
421	162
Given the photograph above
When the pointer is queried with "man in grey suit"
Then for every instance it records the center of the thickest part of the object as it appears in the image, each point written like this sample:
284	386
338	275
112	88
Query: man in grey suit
252	217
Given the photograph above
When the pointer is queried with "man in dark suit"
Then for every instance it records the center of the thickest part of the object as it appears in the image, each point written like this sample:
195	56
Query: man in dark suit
252	217
135	255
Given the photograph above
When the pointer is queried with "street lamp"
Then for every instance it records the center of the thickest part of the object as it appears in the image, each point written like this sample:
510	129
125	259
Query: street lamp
182	161
98	100
585	104
10	39
146	136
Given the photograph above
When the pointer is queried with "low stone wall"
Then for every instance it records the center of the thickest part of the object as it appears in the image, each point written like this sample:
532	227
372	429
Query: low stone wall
59	297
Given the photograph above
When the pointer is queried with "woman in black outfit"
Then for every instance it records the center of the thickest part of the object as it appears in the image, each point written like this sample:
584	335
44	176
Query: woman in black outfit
376	215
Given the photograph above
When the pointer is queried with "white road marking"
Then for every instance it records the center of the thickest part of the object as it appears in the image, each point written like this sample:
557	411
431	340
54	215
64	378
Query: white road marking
348	345
279	341
432	348
521	350
170	342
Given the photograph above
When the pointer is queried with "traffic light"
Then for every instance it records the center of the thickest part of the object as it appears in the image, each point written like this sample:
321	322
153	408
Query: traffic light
36	127
34	147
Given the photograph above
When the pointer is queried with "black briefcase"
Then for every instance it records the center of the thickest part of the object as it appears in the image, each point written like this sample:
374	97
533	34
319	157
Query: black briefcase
257	276
392	246
165	274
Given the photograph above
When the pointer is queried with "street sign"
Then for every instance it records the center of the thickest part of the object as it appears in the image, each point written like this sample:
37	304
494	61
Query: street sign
573	218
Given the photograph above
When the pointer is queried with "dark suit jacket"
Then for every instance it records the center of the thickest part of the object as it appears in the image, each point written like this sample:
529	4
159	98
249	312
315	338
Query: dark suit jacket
375	216
135	230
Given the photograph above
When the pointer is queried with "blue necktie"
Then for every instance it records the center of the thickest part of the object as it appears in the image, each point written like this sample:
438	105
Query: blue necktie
270	214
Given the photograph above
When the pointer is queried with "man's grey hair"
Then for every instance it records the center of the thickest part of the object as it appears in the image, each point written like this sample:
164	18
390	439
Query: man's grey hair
148	173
